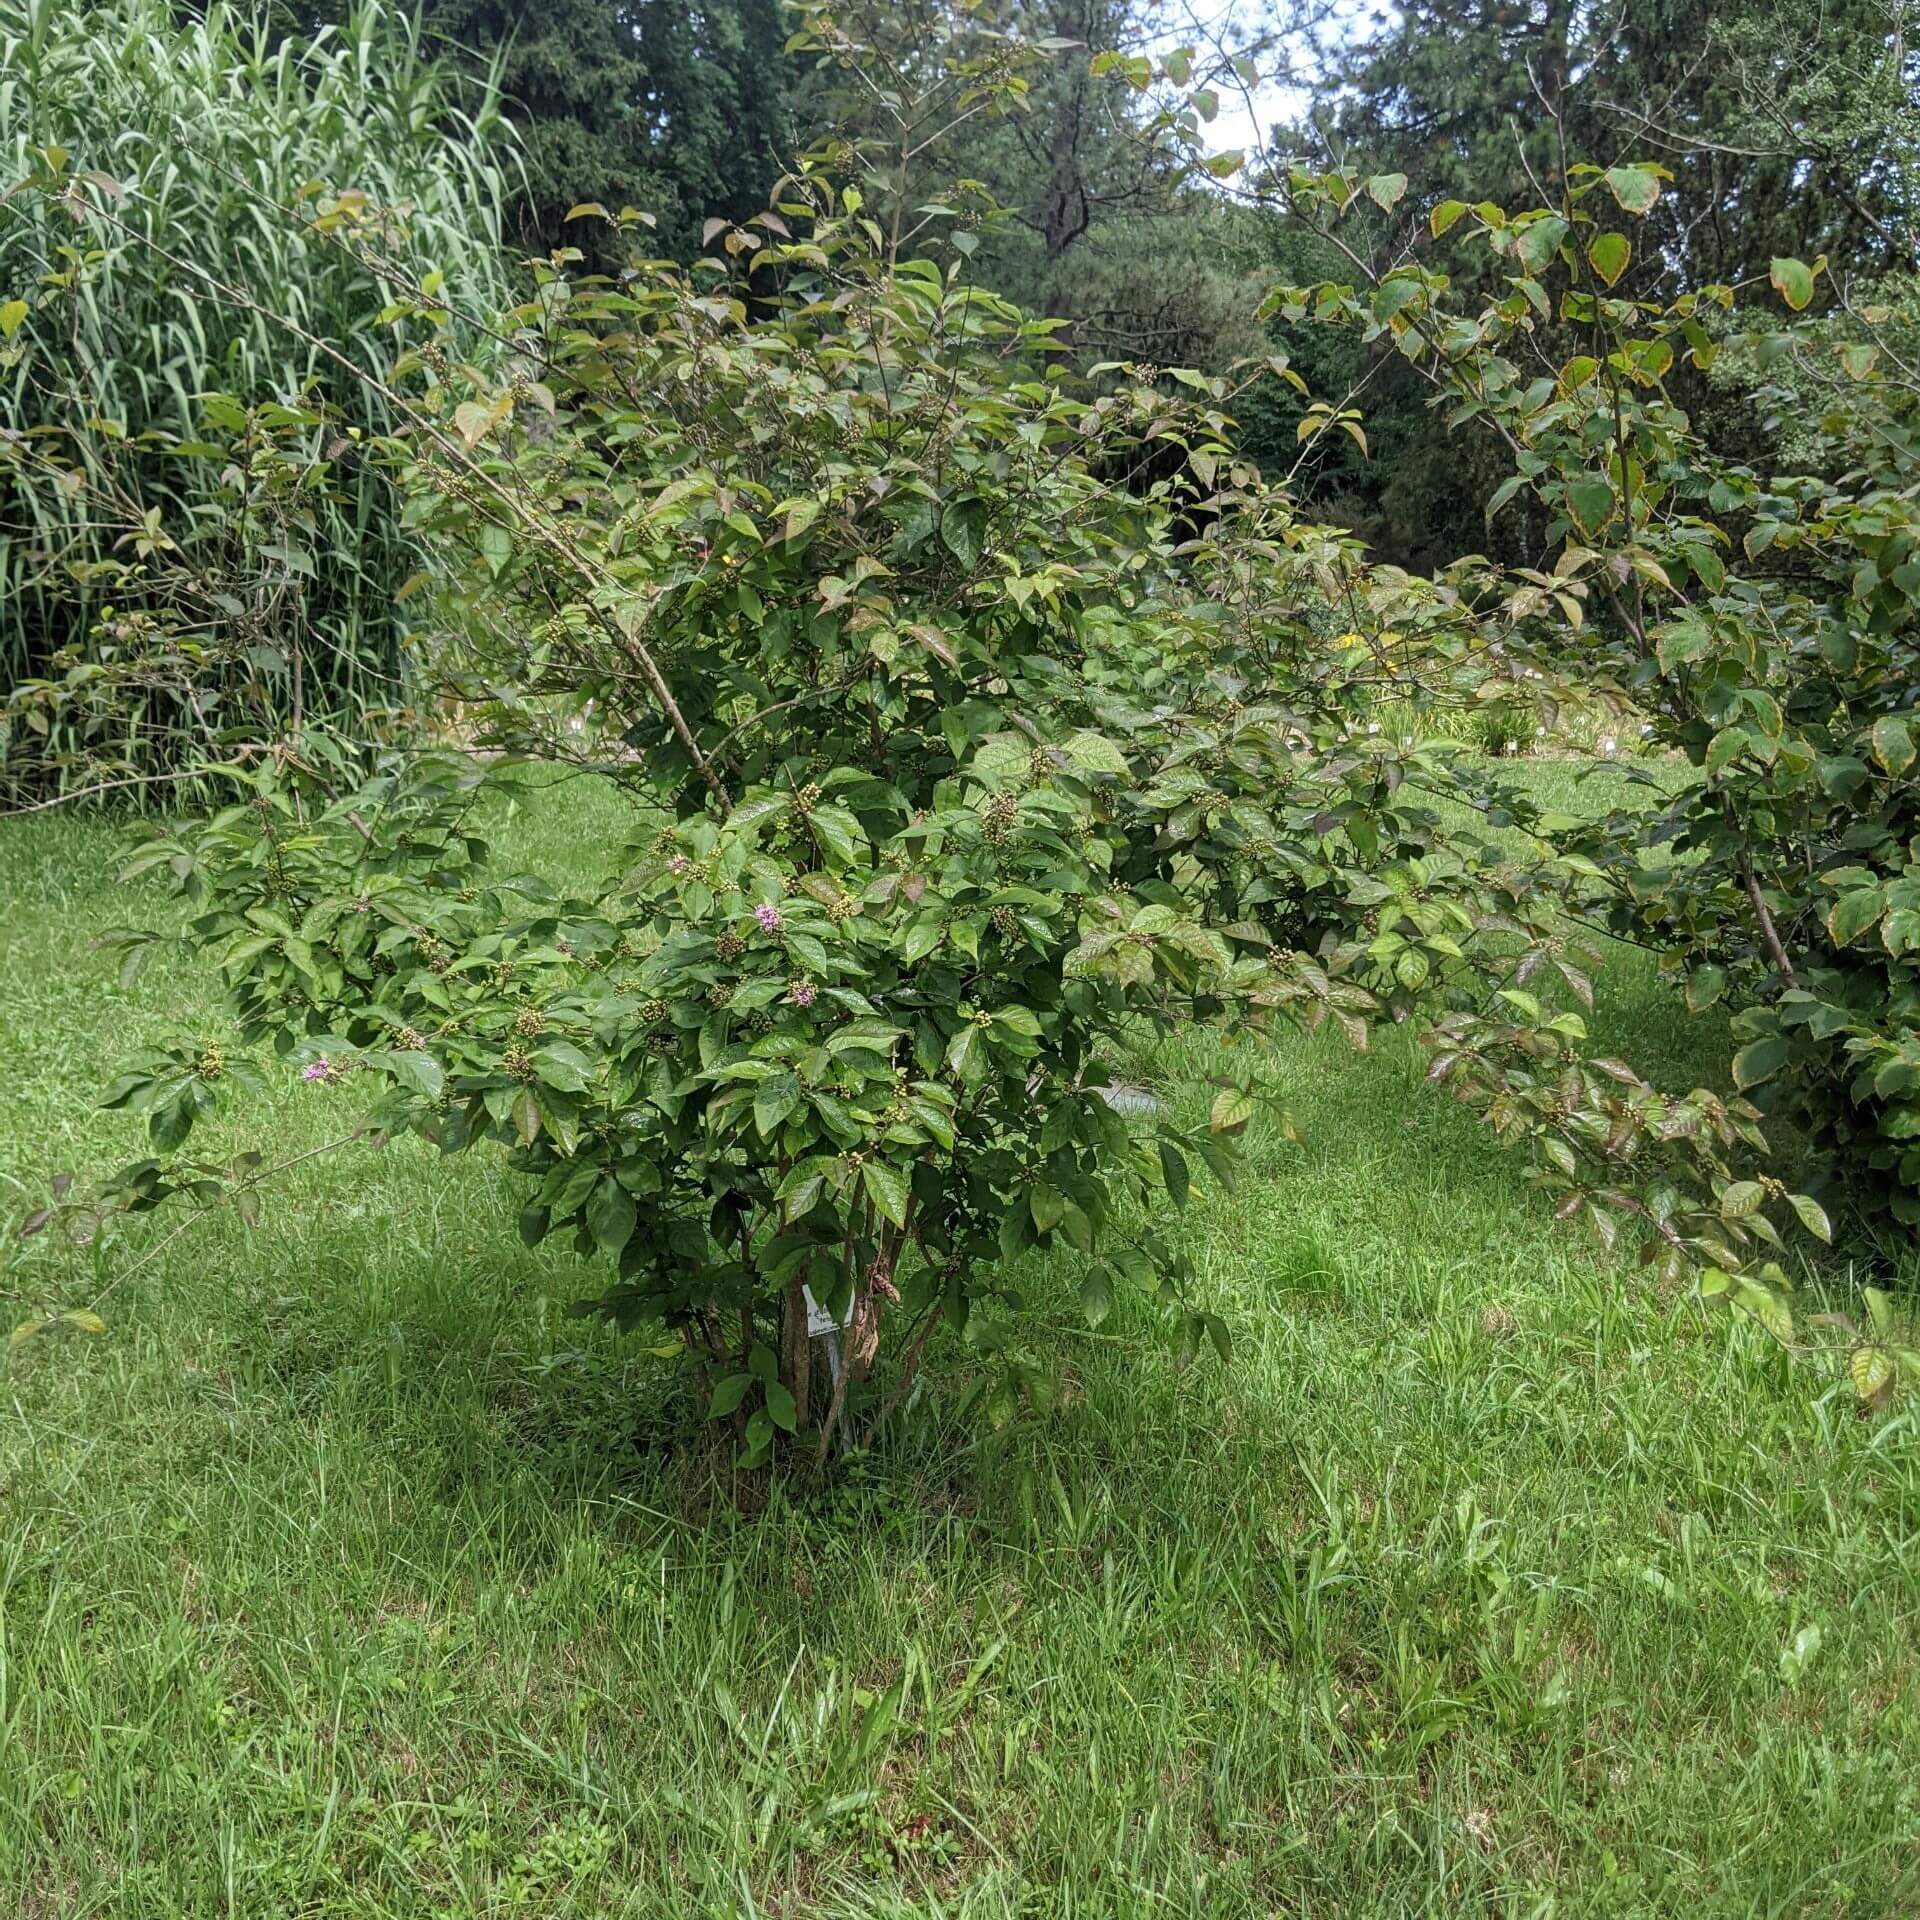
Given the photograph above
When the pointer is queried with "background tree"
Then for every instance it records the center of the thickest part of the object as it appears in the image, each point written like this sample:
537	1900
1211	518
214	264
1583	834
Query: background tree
683	112
1788	129
1102	224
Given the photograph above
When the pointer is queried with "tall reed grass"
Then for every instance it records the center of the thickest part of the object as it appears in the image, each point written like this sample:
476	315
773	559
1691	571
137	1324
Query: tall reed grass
219	130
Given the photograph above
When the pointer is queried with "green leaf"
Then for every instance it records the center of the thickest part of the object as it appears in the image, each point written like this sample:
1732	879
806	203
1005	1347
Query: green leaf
1232	1109
1222	1339
562	1066
1635	188
471	421
1705	985
886	1187
966	1056
1540	240
1590	502
1095	753
1047	1204
1608	255
1445	215
1727	746
418	1071
797	1200
838	833
1758	1061
774	1100
780	1407
126	1090
170	1122
1797	1658
963	531
727	1395
1767	1305
1096	1293
611	1215
1173	1169
1503	493
1792	281
1385	190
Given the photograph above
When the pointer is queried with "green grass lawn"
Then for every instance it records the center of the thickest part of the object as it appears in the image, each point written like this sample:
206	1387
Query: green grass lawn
346	1575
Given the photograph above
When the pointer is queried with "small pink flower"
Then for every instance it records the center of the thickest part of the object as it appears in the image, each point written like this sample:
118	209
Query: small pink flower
800	992
768	915
321	1069
679	864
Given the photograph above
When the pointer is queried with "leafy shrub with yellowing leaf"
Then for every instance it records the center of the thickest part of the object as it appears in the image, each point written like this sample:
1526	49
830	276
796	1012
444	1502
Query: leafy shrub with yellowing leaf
1764	624
979	724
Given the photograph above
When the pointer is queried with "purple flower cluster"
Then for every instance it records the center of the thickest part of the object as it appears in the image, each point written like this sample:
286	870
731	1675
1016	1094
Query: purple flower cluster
321	1069
768	916
800	992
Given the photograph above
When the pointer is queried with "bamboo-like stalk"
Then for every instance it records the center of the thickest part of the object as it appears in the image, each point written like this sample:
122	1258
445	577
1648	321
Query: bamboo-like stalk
213	126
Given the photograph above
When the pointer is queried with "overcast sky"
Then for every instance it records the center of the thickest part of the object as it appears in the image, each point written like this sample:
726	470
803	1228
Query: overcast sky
1243	122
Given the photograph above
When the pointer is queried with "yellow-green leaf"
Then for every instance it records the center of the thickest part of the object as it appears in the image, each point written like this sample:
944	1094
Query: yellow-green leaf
1892	744
1635	188
1813	1216
1590	502
1871	1370
471	421
1792	281
1853	913
1608	255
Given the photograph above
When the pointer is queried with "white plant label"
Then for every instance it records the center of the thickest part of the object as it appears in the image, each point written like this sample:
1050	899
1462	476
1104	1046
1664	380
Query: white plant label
819	1320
